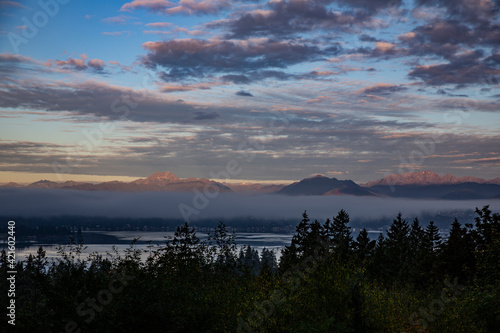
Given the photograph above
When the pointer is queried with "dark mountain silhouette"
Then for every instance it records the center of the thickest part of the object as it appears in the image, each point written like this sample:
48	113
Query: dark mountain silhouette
321	185
461	191
51	184
251	188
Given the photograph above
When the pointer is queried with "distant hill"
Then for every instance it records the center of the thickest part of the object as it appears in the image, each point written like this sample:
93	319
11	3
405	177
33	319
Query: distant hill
12	184
463	191
160	181
428	178
321	185
251	188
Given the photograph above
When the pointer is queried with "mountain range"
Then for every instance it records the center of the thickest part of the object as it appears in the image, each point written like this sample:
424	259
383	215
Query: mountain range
428	178
422	184
159	181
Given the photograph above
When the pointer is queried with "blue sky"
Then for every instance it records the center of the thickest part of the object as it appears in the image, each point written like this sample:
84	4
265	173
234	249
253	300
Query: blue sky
353	89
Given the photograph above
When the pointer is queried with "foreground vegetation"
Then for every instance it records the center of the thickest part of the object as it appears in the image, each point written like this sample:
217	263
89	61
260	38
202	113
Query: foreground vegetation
412	280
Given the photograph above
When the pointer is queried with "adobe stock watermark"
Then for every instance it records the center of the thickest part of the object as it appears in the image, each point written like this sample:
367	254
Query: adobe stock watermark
120	108
32	25
246	153
87	309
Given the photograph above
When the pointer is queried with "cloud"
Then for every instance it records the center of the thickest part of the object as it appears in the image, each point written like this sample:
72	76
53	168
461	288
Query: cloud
204	115
159	24
14	58
456	32
192	7
370	5
105	101
151	5
224	206
95	65
383	89
195	57
189	7
73	63
255	76
122	67
157	32
244	93
290	18
466	10
463	69
116	33
189	87
121	19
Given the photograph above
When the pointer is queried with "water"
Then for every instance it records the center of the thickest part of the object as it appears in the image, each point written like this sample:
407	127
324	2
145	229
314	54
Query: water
149	241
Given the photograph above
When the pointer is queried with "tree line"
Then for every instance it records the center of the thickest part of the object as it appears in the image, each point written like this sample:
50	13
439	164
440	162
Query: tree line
411	280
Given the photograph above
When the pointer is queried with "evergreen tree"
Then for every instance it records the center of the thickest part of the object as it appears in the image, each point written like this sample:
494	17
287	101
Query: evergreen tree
341	234
249	261
429	259
224	249
363	246
416	236
432	237
268	261
457	256
378	267
183	250
292	253
398	249
487	238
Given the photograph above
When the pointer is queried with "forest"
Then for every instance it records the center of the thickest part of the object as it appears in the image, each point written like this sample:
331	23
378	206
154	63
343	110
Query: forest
412	279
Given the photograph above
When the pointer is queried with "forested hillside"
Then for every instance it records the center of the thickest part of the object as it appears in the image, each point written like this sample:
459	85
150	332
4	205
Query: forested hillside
411	280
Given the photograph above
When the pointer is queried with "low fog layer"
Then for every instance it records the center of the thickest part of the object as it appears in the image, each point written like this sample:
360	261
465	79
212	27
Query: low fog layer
31	202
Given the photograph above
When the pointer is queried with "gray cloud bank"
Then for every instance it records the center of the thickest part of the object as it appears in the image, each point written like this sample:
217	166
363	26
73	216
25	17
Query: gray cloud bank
30	202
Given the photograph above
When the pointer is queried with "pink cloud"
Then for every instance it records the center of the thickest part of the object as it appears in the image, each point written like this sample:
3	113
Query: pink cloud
190	7
199	86
160	24
384	47
152	5
71	62
157	32
122	19
9	57
198	7
196	32
78	64
116	63
97	64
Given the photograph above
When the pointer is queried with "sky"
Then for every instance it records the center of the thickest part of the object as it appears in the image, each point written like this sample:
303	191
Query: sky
248	90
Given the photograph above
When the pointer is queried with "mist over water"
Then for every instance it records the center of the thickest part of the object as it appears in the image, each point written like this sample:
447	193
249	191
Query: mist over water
36	202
